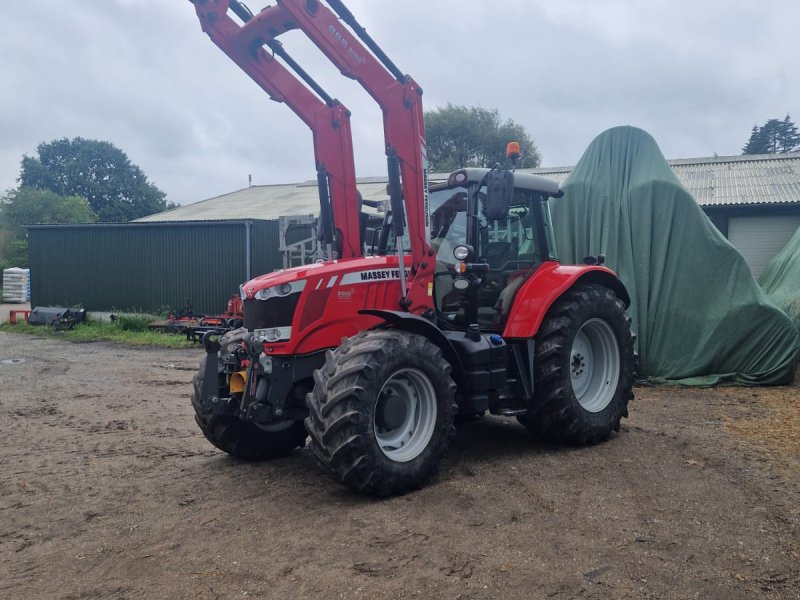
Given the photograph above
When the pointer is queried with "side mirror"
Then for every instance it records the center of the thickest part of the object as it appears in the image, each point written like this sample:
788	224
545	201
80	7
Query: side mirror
499	191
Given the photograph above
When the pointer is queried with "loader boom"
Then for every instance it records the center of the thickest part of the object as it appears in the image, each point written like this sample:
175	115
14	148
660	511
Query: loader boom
397	94
327	118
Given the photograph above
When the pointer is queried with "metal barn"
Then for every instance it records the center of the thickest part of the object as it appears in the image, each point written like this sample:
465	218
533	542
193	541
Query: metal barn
148	267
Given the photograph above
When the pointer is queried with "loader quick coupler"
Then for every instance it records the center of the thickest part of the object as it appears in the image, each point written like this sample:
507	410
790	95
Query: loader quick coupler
209	394
255	405
218	407
265	381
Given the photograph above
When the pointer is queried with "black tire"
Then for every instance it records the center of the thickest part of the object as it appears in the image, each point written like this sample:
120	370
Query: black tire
356	400
244	440
558	414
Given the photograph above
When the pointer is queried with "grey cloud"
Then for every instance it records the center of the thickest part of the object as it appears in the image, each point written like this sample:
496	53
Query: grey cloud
141	74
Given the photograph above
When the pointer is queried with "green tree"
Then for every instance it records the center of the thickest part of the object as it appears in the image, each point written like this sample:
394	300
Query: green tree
790	138
773	137
754	144
472	136
116	189
28	206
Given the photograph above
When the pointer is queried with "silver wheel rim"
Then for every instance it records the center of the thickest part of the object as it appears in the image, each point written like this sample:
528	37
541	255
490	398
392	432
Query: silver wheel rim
594	365
405	415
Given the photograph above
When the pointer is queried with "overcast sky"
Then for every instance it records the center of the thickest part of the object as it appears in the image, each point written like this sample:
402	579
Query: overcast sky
141	74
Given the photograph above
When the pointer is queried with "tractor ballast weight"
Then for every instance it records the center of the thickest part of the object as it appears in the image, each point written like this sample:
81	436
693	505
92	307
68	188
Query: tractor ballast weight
373	356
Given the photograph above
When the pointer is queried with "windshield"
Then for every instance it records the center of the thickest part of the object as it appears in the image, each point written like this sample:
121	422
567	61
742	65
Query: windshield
508	246
448	222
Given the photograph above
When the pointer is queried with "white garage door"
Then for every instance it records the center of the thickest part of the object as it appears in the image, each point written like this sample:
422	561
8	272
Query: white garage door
760	238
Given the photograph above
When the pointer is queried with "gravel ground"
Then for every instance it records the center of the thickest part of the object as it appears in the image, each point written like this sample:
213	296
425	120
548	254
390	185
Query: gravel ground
108	490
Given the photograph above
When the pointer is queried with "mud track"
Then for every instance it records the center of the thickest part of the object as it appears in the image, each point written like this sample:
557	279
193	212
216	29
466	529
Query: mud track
108	490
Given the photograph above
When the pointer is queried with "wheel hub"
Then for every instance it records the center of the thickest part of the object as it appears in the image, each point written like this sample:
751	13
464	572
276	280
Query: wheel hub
392	411
578	364
405	415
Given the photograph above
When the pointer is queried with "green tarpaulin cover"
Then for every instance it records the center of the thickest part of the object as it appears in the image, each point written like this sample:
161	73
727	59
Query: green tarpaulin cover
699	315
781	278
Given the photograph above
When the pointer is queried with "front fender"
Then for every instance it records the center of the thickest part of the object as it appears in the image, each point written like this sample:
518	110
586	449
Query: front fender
538	293
422	326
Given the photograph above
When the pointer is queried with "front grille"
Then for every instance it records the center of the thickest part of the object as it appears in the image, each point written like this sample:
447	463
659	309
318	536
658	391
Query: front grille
273	312
314	307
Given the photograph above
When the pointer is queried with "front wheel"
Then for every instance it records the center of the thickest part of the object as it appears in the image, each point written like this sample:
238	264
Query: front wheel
381	411
245	440
583	368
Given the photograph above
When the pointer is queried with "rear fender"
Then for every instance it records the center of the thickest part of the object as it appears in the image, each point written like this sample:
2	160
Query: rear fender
419	325
537	294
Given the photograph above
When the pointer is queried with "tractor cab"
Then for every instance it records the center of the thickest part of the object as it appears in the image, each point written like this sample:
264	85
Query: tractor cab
488	240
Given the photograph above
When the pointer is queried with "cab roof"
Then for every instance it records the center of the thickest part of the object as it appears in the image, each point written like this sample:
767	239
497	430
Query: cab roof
527	181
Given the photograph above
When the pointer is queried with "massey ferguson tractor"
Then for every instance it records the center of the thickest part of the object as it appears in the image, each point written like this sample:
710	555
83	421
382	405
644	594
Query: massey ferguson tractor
463	308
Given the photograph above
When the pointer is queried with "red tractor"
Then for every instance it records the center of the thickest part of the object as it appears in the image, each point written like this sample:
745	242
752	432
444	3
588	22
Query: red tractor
463	309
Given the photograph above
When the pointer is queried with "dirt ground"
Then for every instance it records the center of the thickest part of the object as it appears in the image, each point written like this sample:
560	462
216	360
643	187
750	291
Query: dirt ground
108	490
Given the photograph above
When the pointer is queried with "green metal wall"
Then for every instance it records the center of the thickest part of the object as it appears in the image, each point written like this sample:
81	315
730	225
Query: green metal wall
147	266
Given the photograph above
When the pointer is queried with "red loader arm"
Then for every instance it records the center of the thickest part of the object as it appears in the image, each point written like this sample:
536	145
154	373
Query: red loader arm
397	94
329	121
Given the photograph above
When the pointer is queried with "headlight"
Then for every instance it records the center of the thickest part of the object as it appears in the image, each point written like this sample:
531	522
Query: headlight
461	252
458	178
460	283
273	334
283	289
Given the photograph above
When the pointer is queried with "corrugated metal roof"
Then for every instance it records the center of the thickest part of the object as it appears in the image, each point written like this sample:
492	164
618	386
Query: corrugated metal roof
713	181
266	202
558	174
729	180
736	180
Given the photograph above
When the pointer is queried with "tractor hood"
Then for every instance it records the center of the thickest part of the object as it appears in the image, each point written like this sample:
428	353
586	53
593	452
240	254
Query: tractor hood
328	272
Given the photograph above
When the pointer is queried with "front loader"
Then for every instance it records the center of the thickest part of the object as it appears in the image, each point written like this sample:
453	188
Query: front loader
463	309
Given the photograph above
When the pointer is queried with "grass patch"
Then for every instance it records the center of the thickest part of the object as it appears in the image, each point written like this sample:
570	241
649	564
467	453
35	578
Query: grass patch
768	417
127	329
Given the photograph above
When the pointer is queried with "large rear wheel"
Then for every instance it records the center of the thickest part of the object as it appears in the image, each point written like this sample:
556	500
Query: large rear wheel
583	368
381	411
